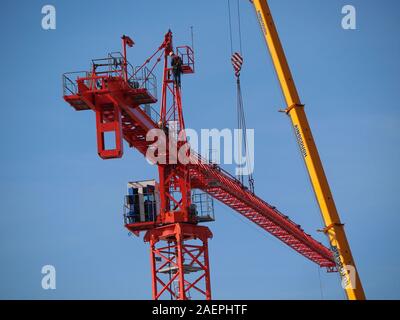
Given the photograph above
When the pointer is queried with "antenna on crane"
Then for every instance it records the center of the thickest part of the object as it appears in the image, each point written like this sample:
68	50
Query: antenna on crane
192	37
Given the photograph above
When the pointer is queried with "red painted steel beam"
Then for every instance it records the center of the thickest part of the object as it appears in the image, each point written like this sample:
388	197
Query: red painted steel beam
135	123
220	185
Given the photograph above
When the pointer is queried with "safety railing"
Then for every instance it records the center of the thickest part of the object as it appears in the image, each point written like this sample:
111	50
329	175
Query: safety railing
203	205
216	167
112	66
69	81
144	78
151	112
187	55
138	77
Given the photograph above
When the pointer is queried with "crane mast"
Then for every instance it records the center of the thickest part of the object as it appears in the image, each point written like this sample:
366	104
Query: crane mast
334	228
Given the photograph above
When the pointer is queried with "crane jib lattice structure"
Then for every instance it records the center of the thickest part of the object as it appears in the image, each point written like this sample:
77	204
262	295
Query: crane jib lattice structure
121	97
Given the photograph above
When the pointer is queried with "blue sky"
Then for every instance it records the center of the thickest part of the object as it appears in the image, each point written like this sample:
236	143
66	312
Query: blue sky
62	205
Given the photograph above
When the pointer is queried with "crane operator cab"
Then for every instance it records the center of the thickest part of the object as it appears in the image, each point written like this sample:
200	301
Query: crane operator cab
142	206
142	203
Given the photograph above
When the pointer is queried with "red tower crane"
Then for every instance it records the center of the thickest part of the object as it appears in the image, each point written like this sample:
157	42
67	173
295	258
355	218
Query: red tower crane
121	96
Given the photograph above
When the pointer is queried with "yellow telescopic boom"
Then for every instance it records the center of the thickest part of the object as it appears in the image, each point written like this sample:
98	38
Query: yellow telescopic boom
295	110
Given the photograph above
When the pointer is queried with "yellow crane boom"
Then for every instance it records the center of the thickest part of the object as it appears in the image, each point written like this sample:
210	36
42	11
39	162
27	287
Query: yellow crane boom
334	229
